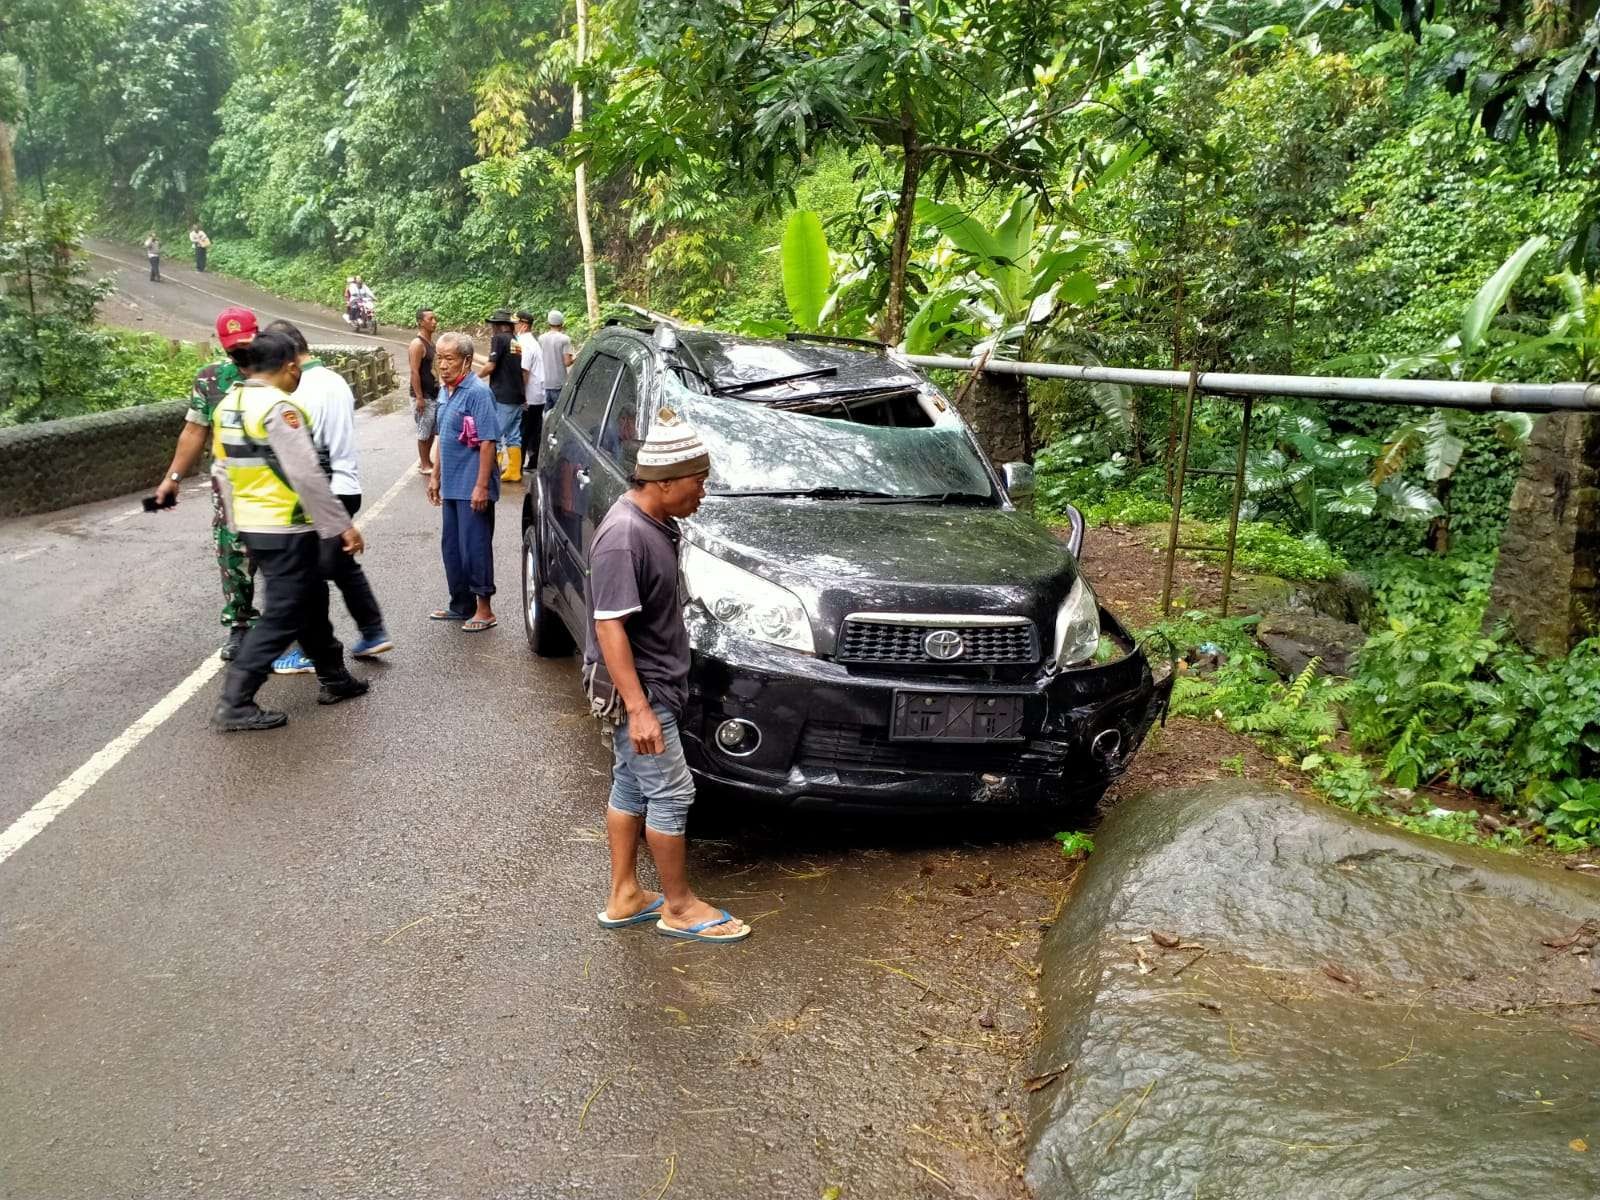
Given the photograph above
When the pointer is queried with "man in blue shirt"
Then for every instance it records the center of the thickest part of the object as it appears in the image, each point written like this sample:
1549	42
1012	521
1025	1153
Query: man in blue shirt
466	485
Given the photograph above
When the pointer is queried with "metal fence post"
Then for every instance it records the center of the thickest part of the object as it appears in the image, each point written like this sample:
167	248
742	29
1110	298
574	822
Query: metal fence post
1238	501
1177	493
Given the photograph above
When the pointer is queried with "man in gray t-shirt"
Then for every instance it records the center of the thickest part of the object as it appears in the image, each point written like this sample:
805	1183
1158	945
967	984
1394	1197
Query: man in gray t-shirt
636	633
556	348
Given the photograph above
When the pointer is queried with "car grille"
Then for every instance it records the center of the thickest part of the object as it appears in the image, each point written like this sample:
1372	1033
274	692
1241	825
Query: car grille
981	645
829	747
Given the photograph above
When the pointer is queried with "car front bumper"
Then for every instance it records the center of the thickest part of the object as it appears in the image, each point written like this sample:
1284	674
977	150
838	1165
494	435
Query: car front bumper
825	733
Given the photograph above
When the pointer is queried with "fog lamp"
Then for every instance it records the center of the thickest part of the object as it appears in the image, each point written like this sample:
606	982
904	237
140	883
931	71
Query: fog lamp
738	737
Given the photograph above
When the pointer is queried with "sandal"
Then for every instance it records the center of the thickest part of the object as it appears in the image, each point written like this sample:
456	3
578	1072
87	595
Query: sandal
477	626
697	933
638	918
444	614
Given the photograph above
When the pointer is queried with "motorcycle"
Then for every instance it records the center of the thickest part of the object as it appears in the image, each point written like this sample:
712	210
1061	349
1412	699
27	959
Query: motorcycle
362	315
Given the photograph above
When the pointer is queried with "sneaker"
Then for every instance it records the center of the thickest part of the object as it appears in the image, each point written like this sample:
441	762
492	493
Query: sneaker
343	686
230	649
371	647
293	663
245	718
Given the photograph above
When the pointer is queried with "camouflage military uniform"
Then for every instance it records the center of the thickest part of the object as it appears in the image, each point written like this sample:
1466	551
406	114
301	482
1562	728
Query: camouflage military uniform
238	572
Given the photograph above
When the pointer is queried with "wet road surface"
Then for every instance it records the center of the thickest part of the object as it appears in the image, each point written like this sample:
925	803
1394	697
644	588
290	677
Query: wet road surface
357	957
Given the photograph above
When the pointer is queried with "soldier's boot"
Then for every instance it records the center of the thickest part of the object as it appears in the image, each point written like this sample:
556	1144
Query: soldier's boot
245	718
343	686
513	471
230	650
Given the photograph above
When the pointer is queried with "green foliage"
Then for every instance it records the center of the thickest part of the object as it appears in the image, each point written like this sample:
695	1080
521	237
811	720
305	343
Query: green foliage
1074	845
807	272
1263	548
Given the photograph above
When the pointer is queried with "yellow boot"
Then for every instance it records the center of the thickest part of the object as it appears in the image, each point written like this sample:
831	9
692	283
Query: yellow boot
513	471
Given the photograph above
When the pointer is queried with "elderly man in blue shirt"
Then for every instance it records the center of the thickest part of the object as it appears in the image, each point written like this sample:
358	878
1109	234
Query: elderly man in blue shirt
466	485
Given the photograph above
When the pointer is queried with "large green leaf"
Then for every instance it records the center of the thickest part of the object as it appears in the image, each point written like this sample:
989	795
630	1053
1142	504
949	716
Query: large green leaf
807	274
964	230
1491	297
930	324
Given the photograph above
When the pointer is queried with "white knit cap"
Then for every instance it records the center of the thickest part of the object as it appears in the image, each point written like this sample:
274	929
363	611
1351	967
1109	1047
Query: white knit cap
555	317
671	450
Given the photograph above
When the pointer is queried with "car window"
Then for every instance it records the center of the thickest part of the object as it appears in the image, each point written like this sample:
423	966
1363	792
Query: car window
620	437
593	391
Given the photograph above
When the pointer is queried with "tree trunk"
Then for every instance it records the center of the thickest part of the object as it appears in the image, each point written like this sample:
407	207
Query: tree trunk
893	325
580	174
996	406
8	170
1547	582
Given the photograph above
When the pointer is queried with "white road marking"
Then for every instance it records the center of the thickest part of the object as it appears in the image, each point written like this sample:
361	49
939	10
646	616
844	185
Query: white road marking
29	824
61	797
22	554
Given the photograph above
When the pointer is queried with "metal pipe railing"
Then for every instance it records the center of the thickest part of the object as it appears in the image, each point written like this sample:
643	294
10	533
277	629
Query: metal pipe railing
1420	393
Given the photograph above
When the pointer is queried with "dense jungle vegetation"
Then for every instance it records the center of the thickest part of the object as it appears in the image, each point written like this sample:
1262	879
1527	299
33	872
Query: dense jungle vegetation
1400	187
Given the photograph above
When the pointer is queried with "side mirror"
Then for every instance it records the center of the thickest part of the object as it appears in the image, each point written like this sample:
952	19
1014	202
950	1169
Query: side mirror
1019	484
1076	524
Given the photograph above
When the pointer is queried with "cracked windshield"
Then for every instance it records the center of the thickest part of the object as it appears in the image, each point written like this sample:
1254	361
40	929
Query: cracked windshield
756	448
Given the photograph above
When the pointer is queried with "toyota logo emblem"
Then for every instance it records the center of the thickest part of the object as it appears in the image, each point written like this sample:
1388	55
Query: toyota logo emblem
943	644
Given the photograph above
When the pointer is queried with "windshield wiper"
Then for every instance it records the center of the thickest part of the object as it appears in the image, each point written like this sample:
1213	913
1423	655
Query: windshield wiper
817	493
940	498
874	497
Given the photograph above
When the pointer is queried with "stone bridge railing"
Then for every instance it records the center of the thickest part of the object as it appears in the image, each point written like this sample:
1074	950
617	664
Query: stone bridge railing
52	465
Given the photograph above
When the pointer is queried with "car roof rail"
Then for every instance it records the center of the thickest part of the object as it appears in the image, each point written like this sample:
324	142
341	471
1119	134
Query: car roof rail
794	335
650	314
619	323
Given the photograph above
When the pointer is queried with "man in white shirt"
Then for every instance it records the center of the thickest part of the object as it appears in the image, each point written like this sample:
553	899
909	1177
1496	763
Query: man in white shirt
330	403
558	356
532	389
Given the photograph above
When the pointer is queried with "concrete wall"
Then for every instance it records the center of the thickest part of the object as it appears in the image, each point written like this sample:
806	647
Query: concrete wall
56	464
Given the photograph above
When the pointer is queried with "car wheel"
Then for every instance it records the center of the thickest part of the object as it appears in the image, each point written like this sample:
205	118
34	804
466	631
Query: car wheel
547	636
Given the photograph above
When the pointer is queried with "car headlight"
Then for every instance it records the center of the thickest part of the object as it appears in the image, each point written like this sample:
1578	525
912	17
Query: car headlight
1077	626
744	602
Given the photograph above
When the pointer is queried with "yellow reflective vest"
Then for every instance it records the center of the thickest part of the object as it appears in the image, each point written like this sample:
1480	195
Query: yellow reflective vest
263	499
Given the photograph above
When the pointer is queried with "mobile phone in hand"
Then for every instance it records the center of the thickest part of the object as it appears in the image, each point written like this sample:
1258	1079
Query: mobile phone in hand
152	504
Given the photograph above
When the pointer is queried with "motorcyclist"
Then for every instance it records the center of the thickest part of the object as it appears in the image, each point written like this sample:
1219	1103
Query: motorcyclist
363	304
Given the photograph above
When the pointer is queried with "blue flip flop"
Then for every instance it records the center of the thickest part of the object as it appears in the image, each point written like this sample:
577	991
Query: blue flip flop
638	918
696	933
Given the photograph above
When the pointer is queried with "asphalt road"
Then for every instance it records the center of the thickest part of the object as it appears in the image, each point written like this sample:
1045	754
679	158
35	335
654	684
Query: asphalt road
357	957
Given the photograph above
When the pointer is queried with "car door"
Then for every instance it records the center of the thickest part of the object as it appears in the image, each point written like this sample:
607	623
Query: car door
573	475
618	443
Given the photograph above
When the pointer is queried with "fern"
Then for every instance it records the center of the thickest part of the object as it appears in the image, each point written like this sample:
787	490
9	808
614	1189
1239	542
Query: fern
1302	683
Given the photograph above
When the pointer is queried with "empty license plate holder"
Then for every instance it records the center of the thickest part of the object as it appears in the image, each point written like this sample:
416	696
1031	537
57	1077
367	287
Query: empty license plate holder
956	717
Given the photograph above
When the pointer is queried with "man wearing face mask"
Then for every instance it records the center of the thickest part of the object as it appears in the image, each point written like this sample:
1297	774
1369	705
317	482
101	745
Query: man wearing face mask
281	505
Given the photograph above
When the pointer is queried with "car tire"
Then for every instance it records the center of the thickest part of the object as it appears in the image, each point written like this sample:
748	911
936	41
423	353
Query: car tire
547	636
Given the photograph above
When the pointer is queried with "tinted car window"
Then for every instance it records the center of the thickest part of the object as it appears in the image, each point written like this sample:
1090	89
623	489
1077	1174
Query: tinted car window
594	389
620	438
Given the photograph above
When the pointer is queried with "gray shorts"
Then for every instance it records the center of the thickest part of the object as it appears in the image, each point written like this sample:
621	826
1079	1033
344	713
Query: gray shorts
657	787
427	419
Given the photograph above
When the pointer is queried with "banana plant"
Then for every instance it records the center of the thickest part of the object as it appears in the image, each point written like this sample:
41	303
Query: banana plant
1013	289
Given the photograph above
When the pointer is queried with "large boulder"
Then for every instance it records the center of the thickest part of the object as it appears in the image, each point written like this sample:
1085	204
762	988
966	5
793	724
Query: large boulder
1254	995
1293	638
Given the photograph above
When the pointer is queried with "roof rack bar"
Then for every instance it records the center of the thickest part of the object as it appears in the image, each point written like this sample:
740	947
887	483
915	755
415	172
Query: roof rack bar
795	335
650	314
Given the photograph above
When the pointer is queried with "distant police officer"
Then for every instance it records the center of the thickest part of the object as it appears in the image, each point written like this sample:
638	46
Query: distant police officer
280	502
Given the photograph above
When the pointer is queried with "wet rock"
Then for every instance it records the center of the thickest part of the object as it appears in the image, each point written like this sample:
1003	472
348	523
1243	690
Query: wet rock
1292	639
1371	1012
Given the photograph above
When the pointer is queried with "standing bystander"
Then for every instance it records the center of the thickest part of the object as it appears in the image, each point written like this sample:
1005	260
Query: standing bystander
558	356
235	329
504	373
638	651
280	504
532	389
329	402
465	486
152	251
424	387
201	244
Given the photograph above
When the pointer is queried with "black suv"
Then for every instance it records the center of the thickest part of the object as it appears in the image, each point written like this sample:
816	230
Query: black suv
874	624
